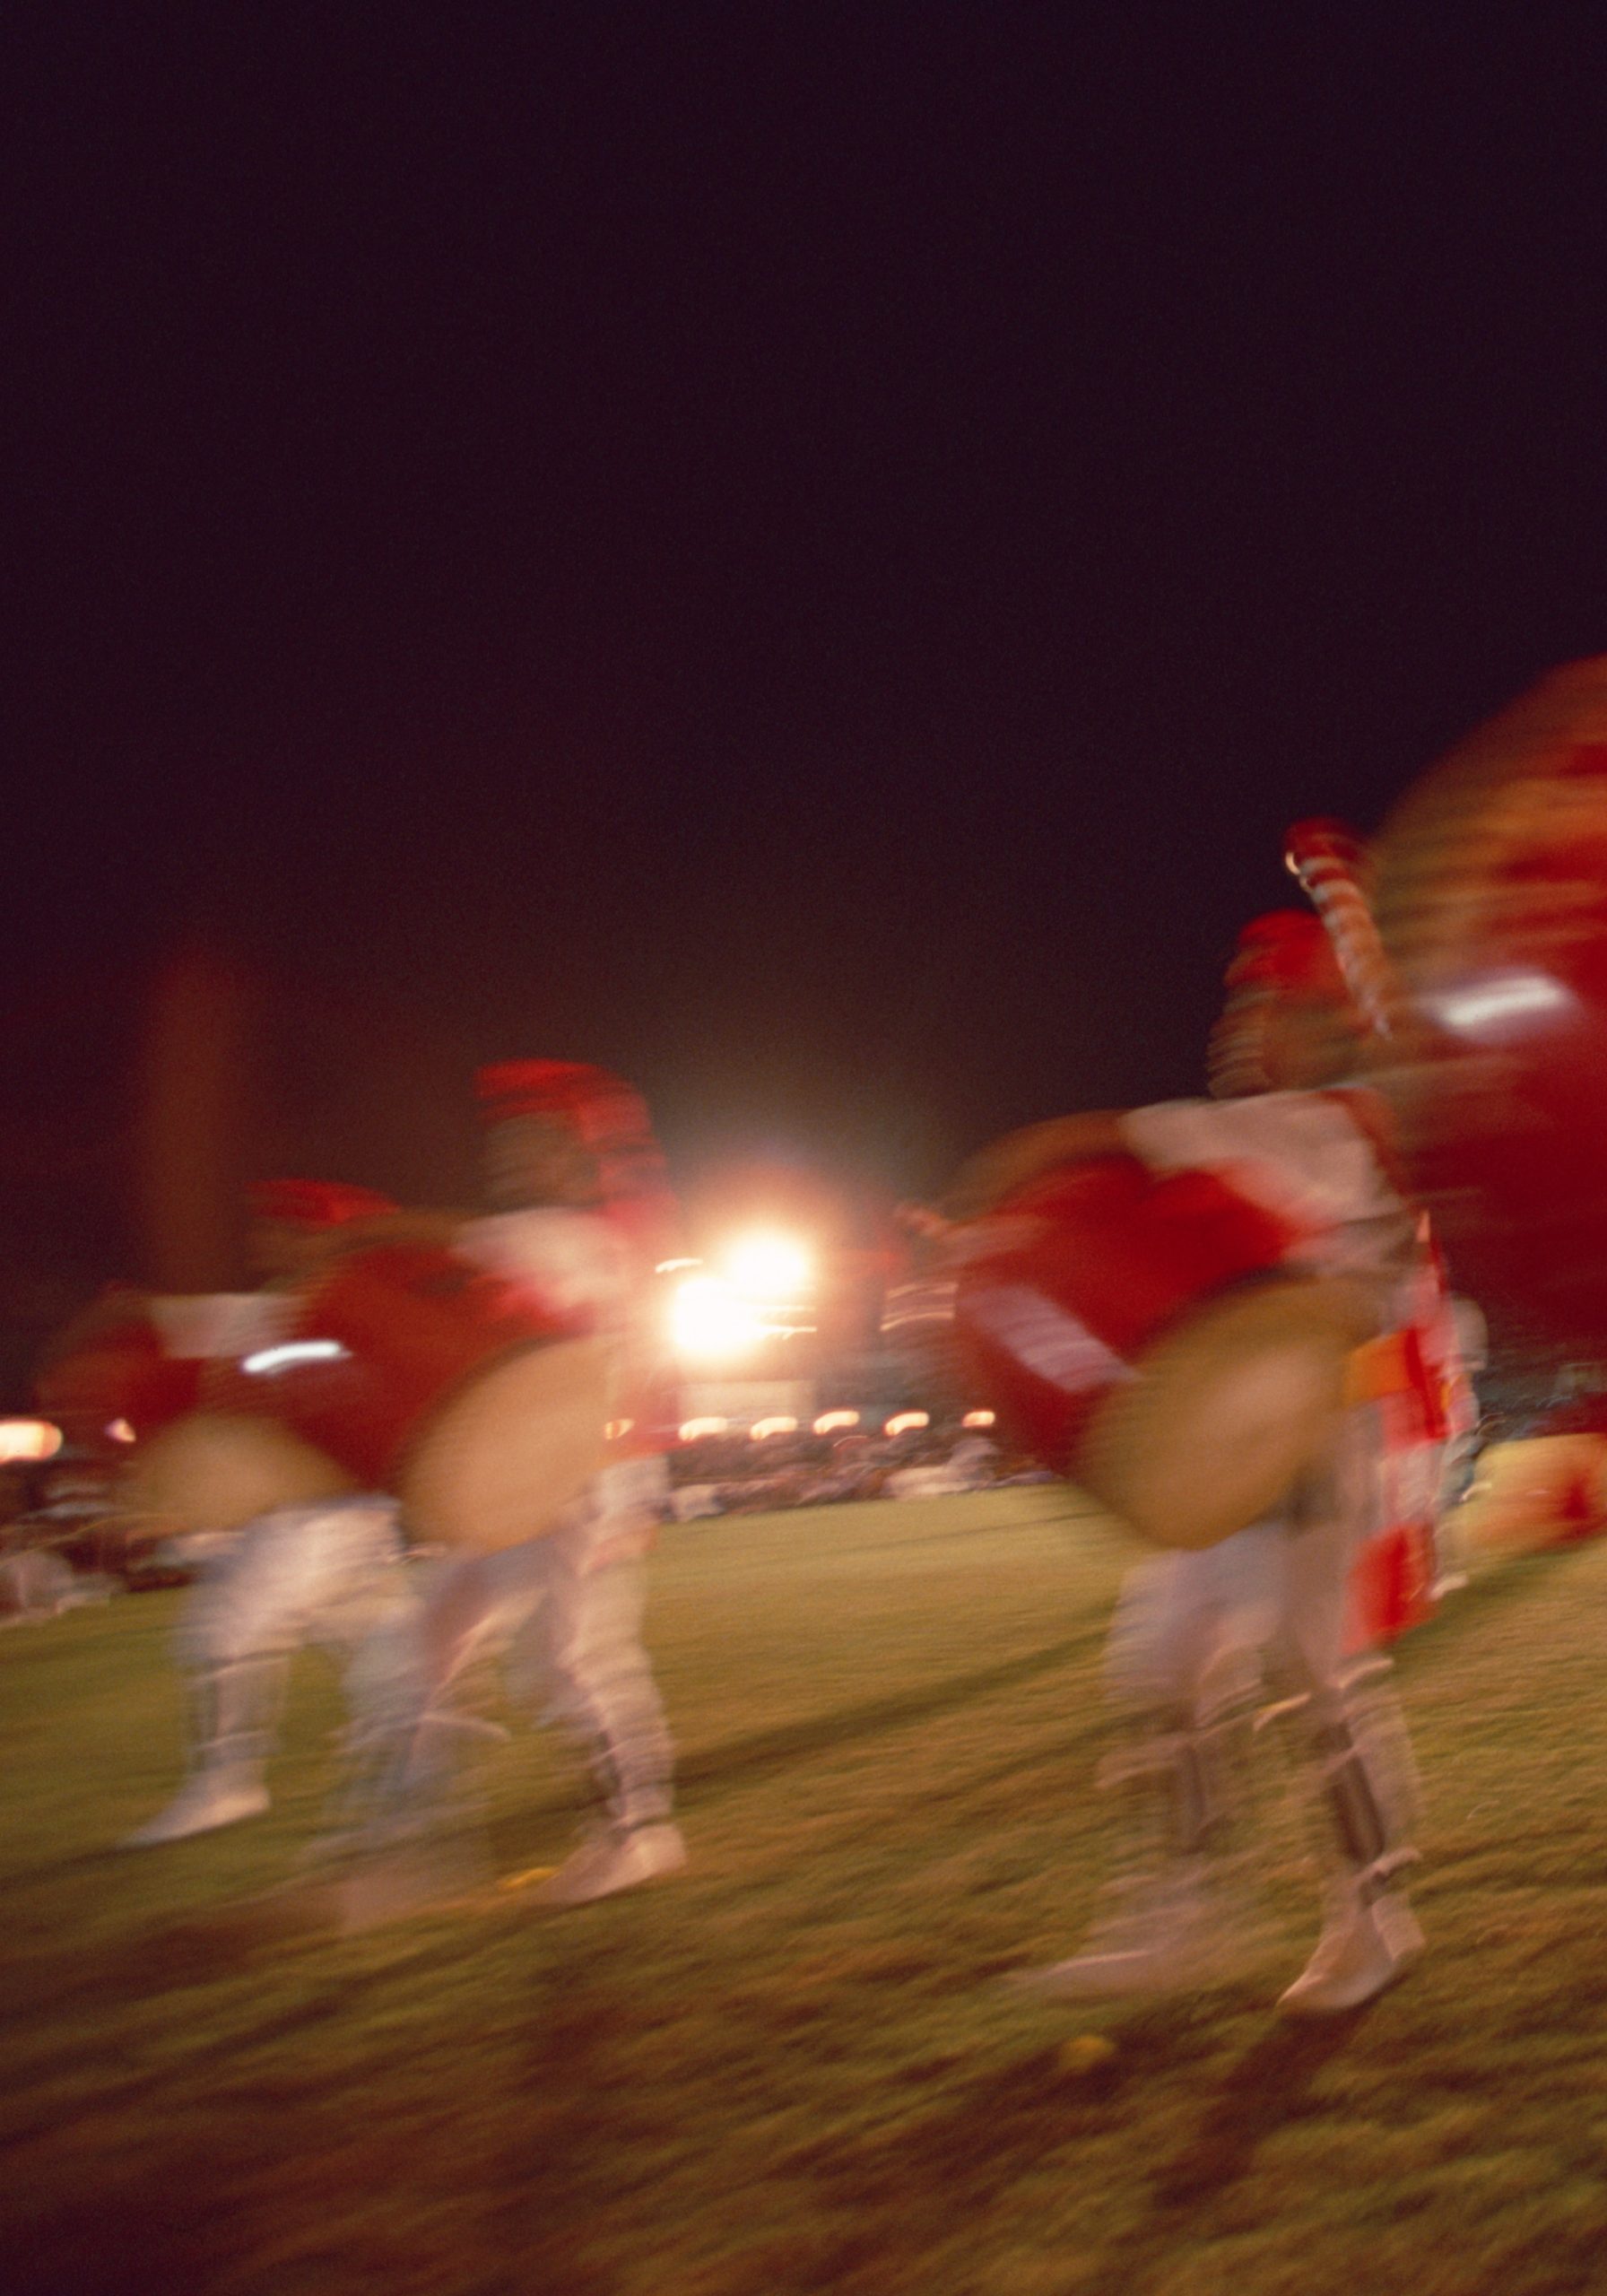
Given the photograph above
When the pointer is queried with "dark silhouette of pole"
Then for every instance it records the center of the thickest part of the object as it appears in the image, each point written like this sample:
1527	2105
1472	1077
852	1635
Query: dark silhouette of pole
188	1169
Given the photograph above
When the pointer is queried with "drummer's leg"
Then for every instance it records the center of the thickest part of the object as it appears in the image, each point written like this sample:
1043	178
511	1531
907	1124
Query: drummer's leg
1180	1659
363	1608
410	1730
1354	1735
586	1635
466	1601
242	1624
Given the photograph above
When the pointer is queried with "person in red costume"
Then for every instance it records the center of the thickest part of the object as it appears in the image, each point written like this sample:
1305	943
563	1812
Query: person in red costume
1194	1630
581	1211
328	1573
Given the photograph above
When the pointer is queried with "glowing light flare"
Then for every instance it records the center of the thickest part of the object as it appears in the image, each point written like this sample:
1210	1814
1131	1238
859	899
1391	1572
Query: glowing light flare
768	1266
691	1429
780	1424
707	1320
979	1418
614	1431
28	1438
119	1432
904	1423
831	1420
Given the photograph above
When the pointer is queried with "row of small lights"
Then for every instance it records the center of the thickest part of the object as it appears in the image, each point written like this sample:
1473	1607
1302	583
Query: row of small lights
902	1422
34	1440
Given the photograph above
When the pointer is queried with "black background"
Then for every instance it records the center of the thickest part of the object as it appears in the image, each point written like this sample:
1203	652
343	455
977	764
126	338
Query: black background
809	553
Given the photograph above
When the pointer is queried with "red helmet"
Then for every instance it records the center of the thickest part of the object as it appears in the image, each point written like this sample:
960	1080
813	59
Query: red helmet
1288	1018
599	1107
609	1119
1285	952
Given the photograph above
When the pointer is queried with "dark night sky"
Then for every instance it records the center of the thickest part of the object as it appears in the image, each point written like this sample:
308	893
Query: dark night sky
809	552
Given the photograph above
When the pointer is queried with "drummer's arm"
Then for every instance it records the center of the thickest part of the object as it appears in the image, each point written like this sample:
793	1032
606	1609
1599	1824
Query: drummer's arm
1021	1157
424	1230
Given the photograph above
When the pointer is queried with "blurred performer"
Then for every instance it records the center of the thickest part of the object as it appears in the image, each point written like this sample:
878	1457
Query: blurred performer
580	1212
327	1573
1193	1629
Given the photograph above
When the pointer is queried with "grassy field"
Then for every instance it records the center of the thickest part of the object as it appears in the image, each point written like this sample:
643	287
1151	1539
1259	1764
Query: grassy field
794	2067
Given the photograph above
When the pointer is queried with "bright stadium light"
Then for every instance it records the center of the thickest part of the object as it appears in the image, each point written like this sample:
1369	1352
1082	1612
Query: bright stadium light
768	1266
708	1321
828	1420
978	1419
779	1425
903	1422
691	1429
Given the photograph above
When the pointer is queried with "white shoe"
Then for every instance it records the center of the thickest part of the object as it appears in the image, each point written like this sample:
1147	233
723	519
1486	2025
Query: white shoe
210	1799
1362	1949
614	1861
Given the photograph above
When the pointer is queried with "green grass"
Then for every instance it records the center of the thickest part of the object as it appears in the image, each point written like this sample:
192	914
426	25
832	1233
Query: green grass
794	2068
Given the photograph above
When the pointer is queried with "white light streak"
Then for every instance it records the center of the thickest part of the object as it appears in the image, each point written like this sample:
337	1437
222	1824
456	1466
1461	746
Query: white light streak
1503	996
294	1351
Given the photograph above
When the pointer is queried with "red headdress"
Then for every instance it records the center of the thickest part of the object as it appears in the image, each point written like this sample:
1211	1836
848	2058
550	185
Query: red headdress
610	1118
1284	960
1285	952
599	1107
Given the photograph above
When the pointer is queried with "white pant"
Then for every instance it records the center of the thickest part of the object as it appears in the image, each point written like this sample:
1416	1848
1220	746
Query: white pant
330	1574
1193	1631
326	1574
567	1607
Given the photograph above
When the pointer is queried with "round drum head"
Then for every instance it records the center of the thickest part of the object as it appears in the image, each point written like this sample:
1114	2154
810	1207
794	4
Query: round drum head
508	1452
1223	1414
214	1471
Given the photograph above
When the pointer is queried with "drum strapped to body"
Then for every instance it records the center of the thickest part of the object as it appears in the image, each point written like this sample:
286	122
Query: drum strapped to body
417	1373
1140	1334
148	1368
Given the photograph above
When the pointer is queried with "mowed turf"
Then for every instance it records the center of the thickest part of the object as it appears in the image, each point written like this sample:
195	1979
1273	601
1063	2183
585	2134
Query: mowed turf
796	2067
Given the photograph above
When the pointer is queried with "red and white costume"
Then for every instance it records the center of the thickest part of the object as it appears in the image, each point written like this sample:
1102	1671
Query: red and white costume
328	1573
1200	1636
568	1603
